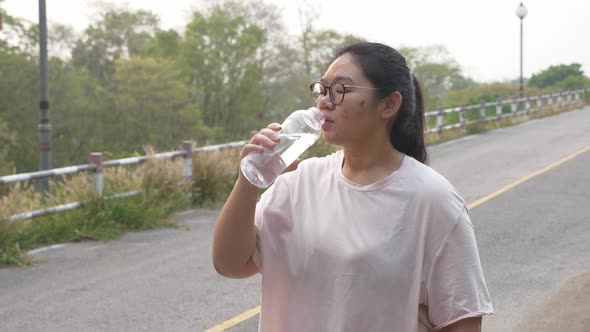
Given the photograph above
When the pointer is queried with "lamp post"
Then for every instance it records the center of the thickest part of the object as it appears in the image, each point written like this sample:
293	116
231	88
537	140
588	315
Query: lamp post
44	125
521	12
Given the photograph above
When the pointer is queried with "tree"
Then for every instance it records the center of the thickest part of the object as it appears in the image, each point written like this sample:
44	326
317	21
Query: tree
19	104
152	105
221	54
118	33
79	109
17	36
553	75
437	70
166	44
318	46
574	82
7	141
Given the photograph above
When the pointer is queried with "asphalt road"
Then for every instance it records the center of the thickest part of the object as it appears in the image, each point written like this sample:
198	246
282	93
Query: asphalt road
532	240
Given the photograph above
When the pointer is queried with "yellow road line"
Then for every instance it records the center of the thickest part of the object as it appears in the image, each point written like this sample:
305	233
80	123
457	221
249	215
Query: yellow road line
526	178
255	311
236	320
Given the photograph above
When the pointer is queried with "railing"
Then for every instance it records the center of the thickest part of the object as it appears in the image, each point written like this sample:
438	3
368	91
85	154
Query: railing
97	166
479	112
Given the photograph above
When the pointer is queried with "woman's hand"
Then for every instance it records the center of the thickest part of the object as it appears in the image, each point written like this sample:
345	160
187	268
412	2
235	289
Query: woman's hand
266	138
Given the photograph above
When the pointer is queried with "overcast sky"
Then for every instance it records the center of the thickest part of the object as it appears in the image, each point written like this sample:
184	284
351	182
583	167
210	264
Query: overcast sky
483	36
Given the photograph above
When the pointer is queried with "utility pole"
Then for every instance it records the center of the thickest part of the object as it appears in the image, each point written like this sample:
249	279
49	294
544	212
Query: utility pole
44	125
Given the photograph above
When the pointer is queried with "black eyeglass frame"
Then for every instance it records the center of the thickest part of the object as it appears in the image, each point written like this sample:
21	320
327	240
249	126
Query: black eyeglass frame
329	88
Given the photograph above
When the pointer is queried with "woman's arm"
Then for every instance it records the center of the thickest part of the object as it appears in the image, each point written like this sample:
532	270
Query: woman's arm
472	324
234	240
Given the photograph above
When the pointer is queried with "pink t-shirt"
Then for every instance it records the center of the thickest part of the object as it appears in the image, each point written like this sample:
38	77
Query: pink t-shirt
396	255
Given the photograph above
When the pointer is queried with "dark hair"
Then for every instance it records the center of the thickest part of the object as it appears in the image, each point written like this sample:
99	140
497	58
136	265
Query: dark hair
388	70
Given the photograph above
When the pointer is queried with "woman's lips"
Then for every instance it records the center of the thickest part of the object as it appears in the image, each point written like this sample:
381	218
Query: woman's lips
326	123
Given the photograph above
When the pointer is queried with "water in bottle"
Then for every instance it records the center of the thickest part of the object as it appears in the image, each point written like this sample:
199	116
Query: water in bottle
299	131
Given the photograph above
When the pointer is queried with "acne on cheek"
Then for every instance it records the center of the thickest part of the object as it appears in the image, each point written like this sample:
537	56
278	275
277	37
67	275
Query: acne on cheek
362	104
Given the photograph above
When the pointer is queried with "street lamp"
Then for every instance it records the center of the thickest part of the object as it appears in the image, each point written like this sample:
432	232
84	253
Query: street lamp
521	12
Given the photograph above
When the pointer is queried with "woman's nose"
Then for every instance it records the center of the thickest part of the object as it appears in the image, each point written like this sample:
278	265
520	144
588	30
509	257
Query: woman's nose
325	102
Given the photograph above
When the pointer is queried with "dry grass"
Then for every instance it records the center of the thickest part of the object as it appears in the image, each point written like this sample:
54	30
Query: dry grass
214	174
20	198
121	179
159	175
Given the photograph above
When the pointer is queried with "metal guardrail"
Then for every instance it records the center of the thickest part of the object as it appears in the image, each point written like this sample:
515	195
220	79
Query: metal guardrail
97	164
64	207
538	100
97	167
118	162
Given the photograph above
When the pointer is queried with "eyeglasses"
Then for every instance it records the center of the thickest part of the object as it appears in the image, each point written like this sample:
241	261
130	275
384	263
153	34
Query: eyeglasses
337	91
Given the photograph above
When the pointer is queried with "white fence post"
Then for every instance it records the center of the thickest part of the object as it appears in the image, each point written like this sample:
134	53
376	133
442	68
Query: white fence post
559	100
513	109
549	99
462	117
527	107
498	112
440	121
98	175
187	170
482	109
577	97
539	103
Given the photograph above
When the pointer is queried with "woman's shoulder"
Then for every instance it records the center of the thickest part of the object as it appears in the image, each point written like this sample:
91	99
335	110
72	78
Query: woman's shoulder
430	184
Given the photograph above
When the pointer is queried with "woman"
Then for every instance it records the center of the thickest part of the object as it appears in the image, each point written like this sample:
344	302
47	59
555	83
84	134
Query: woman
368	238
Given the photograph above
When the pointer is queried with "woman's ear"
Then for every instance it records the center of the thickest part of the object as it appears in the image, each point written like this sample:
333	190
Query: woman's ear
392	104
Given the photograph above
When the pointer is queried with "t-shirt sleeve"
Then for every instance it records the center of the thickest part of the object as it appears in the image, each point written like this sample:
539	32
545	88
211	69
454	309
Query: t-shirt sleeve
455	286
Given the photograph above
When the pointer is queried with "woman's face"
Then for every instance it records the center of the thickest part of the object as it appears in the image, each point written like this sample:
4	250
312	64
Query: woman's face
355	119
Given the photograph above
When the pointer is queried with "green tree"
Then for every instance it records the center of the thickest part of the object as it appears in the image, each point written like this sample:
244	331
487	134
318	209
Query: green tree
318	46
117	33
221	55
166	44
17	35
152	105
79	105
574	82
19	105
554	75
7	141
437	70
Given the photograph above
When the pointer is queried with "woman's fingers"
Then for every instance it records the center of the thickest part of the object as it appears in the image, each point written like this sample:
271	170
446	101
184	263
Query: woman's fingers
266	138
274	126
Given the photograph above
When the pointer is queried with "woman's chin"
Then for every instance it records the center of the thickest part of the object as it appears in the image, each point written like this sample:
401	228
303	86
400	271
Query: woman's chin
329	139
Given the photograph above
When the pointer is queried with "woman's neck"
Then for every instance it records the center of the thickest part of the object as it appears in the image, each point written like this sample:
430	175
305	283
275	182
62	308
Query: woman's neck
368	164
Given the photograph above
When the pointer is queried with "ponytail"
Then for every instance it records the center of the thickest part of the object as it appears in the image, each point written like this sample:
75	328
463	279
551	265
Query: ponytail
407	133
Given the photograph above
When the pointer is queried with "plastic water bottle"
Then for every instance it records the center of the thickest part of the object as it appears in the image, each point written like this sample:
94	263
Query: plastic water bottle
299	131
